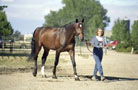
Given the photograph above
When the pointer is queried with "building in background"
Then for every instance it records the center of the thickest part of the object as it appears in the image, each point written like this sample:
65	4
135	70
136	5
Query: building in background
127	23
108	33
27	37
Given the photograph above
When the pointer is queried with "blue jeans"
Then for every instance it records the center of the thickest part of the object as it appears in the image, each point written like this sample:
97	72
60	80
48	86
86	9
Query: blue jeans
98	55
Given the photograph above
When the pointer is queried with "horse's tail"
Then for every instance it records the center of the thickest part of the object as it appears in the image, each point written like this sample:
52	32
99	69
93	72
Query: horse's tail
32	54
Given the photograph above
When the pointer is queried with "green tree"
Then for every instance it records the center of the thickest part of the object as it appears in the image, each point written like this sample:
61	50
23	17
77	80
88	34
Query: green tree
121	33
91	10
2	7
5	26
134	35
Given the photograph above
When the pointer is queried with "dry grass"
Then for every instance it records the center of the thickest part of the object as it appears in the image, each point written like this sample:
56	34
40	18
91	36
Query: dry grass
17	61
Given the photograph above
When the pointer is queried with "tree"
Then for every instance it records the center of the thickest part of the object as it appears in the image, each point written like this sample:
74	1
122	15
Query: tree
91	10
2	7
134	35
16	35
120	31
5	26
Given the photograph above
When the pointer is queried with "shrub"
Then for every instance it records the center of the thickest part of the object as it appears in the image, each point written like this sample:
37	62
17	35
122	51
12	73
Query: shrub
123	47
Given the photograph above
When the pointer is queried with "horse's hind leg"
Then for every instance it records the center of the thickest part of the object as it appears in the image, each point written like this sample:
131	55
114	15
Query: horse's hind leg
38	48
44	57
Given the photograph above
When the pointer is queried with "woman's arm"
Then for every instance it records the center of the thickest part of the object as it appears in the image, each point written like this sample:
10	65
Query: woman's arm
108	45
88	43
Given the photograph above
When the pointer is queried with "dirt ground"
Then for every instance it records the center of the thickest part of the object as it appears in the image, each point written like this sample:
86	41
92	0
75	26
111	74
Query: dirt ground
120	69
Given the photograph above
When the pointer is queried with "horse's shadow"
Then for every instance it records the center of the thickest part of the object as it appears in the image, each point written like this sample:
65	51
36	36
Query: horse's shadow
111	78
88	78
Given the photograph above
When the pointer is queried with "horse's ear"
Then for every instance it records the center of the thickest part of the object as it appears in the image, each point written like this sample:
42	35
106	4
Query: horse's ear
82	20
76	20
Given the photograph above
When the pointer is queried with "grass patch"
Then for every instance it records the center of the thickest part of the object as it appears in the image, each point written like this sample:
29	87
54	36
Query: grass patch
22	61
10	64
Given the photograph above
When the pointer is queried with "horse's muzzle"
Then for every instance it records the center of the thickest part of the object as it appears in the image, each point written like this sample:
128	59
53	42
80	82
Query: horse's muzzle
81	37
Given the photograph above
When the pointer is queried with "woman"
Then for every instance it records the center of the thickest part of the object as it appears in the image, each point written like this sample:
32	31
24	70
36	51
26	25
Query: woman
98	42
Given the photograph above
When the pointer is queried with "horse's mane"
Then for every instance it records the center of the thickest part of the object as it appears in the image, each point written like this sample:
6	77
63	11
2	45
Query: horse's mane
68	24
59	27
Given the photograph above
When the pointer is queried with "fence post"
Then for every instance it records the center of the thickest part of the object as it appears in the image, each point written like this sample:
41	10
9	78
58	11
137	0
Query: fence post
132	50
3	48
11	46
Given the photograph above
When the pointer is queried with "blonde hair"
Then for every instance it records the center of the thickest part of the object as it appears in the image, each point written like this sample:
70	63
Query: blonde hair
98	30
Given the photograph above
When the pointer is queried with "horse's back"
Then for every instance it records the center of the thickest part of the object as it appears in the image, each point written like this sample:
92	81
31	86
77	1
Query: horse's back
39	31
47	36
50	37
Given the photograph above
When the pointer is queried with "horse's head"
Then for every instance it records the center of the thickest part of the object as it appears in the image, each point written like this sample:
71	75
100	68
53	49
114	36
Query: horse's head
79	29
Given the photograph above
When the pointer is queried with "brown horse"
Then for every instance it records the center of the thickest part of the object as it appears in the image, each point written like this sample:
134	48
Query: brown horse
60	39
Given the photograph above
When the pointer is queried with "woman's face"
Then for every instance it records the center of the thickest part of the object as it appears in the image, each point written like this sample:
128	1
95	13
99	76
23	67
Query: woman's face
100	32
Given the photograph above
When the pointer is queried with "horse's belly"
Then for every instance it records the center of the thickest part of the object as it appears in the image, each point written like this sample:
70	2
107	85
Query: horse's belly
68	47
52	45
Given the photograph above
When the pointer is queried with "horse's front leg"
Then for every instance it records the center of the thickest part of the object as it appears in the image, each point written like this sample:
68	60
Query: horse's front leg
55	64
72	56
45	54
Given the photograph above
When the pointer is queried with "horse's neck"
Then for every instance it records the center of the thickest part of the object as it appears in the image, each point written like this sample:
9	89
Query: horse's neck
70	33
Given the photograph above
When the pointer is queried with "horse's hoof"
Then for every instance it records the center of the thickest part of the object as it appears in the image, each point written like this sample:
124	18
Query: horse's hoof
77	79
34	74
44	76
54	77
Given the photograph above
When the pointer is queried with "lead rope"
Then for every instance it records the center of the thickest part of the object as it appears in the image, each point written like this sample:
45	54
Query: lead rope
87	46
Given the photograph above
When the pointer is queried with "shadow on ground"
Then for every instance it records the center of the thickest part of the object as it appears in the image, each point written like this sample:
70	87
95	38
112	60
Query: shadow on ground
111	78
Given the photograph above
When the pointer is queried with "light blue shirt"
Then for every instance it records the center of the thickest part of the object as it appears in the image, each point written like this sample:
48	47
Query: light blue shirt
98	42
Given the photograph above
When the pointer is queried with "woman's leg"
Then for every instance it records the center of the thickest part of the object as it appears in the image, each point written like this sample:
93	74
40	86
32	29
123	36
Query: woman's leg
101	55
95	71
98	65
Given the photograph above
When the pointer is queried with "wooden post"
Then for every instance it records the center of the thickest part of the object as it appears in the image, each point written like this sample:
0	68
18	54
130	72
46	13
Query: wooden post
11	45
3	48
132	50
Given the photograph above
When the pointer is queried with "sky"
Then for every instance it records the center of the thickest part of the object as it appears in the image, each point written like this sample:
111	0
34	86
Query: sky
26	15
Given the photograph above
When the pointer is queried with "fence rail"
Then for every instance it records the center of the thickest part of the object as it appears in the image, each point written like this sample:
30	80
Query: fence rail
15	53
25	52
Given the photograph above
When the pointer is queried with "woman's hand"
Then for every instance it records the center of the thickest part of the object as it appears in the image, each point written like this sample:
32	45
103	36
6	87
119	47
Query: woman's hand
108	45
87	42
